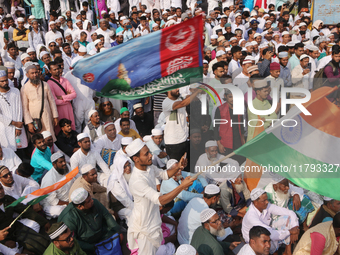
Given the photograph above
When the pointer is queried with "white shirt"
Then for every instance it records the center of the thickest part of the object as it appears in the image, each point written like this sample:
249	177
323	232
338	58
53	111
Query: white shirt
21	187
233	65
301	81
254	217
190	220
218	27
105	143
234	27
246	250
99	132
37	39
275	83
323	62
176	127
105	33
10	159
132	125
142	31
50	36
241	82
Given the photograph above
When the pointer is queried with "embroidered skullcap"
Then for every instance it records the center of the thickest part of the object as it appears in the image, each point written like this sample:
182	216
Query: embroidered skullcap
86	168
136	106
56	230
82	136
23	56
252	68
260	84
9	65
277	178
31	17
256	193
55	156
210	143
91	113
257	34
221	38
233	39
43	53
2	168
156	131
108	124
20	19
185	249
206	214
211	189
134	147
170	163
126	140
254	43
79	195
274	66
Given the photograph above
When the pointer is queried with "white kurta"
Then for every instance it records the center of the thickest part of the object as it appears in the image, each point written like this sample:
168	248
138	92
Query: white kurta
11	110
10	159
105	143
21	187
99	131
114	5
145	222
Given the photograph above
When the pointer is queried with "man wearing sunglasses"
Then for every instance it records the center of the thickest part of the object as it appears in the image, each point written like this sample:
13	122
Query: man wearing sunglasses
63	241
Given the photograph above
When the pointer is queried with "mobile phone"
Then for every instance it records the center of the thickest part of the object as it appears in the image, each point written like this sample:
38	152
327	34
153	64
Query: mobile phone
6	35
309	66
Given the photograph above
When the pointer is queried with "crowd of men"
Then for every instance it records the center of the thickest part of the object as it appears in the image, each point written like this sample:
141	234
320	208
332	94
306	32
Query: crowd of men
137	159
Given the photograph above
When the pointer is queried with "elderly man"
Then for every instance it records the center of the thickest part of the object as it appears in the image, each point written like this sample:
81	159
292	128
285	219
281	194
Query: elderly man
259	242
122	152
110	141
63	241
94	127
159	156
204	237
321	239
211	155
57	200
326	212
261	213
89	220
145	222
51	35
144	121
9	159
38	102
85	156
105	31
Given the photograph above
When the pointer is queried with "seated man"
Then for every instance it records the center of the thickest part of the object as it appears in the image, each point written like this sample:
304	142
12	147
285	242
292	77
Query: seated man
94	128
120	198
204	237
125	114
85	156
25	170
261	213
281	193
89	220
211	155
159	156
122	152
126	131
57	200
109	141
235	197
321	239
326	212
25	236
144	121
41	158
88	181
67	138
190	217
185	196
259	242
49	141
63	241
9	158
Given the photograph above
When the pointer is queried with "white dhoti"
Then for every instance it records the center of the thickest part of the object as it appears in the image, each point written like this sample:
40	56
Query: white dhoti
280	223
147	243
53	211
31	224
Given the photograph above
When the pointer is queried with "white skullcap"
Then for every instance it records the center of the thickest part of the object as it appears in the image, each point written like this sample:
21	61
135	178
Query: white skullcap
224	16
251	58
211	189
147	138
156	131
283	54
136	106
58	36
122	18
67	33
205	61
79	20
303	56
147	11
55	156
91	112
278	178
9	65
44	53
23	56
154	25
206	214
20	19
29	50
185	249
164	12
79	195
254	43
119	33
214	37
51	41
256	193
108	124
227	49
57	21
260	84
82	49
170	163
58	231
31	17
232	39
110	12
313	48
126	140
46	134
86	168
244	49
103	11
327	199
237	14
220	53
51	23
82	136
302	24
248	44
269	21
257	34
61	17
125	21
210	143
134	147
96	42
285	33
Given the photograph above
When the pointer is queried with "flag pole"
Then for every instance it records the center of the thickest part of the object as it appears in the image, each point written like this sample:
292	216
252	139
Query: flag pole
20	215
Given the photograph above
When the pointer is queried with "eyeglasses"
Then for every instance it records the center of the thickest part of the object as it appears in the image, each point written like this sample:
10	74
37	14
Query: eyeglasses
9	174
214	222
53	45
106	104
68	239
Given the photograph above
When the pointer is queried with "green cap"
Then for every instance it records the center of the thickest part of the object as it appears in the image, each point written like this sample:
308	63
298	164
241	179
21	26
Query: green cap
124	109
227	25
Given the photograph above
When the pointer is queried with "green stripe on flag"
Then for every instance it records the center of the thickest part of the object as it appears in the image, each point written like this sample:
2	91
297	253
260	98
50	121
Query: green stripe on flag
32	202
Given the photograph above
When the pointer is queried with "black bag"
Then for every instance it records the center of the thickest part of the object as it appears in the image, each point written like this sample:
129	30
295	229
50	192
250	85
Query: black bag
37	121
61	87
32	241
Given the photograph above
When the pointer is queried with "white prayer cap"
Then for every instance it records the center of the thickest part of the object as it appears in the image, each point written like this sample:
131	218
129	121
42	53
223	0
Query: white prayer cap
224	16
156	131
55	156
79	20
302	24
266	15
108	124
82	136
110	12
23	56
79	195
102	12
119	33
51	23
263	45
303	56
260	84
227	49
9	65
147	11
253	13
206	214
29	50
214	37
147	138
211	189
251	58
285	33
134	147
257	34
51	41
96	42
125	21
248	44
86	168
67	33
58	36
277	178
232	39
244	49
170	163
269	21
164	12
46	134
256	193
327	199
186	249
220	53
82	49
20	19
205	61
44	53
238	14
136	106
91	113
126	140
154	25
254	43
210	143
31	17
122	18
313	48
61	17
283	54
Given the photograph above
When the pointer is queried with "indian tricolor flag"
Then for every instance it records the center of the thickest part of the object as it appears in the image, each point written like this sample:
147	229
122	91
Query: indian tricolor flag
40	194
307	150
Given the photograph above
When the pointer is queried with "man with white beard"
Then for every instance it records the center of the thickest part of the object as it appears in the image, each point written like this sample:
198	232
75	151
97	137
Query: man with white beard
204	238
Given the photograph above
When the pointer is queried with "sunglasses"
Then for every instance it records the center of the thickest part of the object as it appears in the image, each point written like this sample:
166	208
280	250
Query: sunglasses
68	239
106	104
7	175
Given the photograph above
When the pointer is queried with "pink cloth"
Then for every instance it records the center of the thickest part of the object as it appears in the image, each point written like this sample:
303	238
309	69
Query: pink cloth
101	7
318	243
64	105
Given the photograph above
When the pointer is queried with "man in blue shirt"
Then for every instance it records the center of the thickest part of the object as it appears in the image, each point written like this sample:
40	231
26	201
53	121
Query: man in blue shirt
41	158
